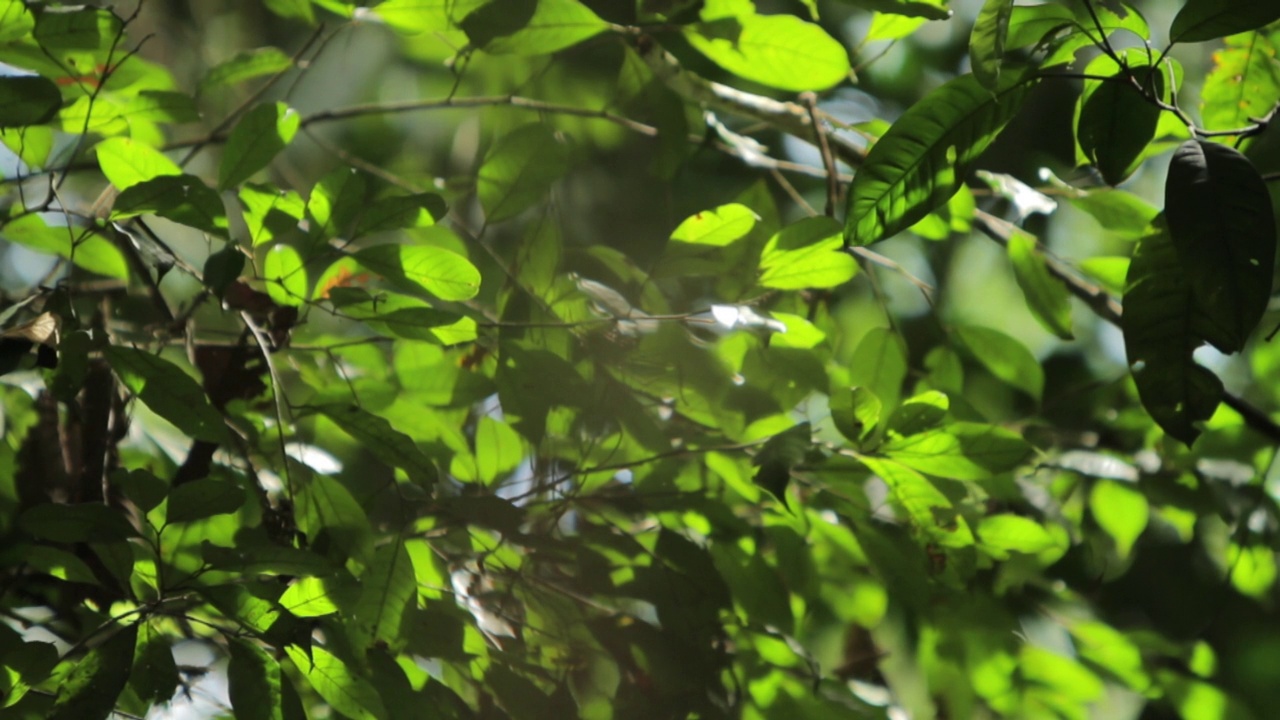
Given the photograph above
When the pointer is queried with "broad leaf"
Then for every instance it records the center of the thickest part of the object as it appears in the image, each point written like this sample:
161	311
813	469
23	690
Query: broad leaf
780	51
1047	297
388	588
1114	122
337	684
94	253
259	136
1004	357
518	170
203	498
27	100
879	364
929	9
253	682
1201	20
386	443
184	199
1223	227
168	391
286	275
127	162
986	42
806	254
246	65
155	674
1013	533
1121	510
553	26
443	273
1244	83
308	597
90	691
960	451
923	159
331	518
716	228
81	522
1162	326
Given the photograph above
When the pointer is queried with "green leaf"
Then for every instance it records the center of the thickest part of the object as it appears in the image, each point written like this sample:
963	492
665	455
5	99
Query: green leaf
498	449
855	412
1004	357
919	413
184	199
716	228
27	100
891	26
16	21
1121	510
126	162
1047	297
308	597
1114	122
161	106
26	666
400	212
1201	20
270	212
922	160
519	169
90	691
223	268
1223	227
806	254
266	559
57	563
1120	214
426	16
330	517
386	443
928	9
781	51
960	451
259	136
1244	83
986	42
1006	533
879	364
928	507
32	145
204	498
91	252
554	25
286	275
388	588
336	684
246	65
253	682
300	9
1162	326
155	674
443	273
168	391
81	522
495	19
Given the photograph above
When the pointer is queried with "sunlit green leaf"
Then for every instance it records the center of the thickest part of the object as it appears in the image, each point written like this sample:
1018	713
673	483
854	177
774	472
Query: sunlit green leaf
718	227
384	441
1121	510
286	275
518	170
445	274
89	692
1244	83
308	597
879	364
552	26
986	42
1046	296
959	451
806	254
1013	533
923	159
1004	357
89	251
336	683
127	163
780	51
259	136
184	199
891	26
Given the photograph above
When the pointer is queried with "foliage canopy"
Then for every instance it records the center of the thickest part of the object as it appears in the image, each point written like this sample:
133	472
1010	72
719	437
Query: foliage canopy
576	358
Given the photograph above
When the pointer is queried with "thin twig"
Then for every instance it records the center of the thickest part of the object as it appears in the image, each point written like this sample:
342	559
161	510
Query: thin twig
828	162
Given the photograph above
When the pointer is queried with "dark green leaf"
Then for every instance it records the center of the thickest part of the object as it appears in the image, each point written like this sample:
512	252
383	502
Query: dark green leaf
168	391
155	674
1162	326
399	212
223	268
142	487
83	522
265	559
253	680
1201	20
923	159
388	588
202	499
331	517
879	364
91	689
555	25
496	19
930	9
519	169
1046	296
27	100
1221	222
259	136
986	42
1115	123
184	199
386	443
855	412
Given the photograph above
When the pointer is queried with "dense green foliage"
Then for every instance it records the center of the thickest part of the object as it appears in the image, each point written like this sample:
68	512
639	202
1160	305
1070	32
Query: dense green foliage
589	358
